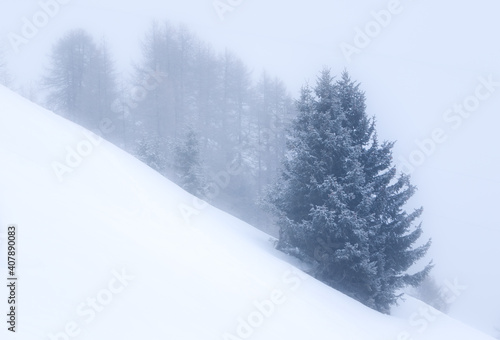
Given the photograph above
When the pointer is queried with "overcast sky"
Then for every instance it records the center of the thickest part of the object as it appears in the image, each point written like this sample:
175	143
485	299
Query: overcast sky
430	70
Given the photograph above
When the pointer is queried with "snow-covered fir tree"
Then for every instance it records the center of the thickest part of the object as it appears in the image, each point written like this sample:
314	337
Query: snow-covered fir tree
339	202
152	151
189	165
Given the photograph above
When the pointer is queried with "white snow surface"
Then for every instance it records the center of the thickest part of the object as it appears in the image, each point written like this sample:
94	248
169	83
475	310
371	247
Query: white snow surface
116	251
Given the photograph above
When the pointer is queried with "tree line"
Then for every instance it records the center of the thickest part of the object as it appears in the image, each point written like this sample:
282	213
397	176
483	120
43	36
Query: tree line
186	111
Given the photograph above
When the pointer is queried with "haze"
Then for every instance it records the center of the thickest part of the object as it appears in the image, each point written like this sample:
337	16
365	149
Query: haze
429	57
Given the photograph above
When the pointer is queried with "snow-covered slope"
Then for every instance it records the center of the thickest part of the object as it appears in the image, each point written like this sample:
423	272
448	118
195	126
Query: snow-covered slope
108	249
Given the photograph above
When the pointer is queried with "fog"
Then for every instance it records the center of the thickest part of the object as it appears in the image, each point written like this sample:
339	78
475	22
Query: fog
415	66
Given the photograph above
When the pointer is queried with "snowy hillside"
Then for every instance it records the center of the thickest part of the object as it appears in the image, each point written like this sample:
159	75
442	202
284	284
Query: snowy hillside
108	249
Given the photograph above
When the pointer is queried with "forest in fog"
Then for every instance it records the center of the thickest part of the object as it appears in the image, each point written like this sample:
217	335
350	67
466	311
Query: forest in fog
190	112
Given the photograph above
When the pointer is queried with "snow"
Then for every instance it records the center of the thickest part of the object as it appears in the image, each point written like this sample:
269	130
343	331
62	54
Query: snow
115	251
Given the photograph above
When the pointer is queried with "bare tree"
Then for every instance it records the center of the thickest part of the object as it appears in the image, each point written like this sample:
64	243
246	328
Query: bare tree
81	79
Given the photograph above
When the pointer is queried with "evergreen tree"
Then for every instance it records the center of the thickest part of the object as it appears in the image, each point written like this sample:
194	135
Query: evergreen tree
339	203
151	151
189	165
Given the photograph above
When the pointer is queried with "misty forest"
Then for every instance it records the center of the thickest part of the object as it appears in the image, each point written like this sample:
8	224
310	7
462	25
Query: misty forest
226	201
311	170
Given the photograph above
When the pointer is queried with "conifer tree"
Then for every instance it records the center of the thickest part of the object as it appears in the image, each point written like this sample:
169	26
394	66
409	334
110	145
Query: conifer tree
189	165
151	151
339	202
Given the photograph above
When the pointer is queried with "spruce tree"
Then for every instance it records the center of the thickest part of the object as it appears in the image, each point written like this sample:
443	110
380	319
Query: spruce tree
339	202
189	165
151	150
